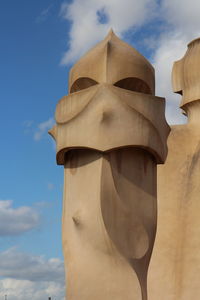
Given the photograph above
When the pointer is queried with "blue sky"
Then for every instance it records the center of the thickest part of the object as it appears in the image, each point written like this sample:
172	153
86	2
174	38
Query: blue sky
40	40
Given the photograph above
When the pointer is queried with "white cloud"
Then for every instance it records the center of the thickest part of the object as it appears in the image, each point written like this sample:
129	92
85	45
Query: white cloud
183	15
14	221
43	128
30	277
87	29
33	268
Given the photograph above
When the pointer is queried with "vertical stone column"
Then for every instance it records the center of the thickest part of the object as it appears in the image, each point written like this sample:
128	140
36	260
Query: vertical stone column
111	134
176	259
109	222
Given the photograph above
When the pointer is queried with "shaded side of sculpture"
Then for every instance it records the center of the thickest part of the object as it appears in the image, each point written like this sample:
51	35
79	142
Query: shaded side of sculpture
110	133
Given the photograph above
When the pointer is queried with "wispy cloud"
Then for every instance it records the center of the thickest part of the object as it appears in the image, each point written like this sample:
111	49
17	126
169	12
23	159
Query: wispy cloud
44	14
15	221
28	126
43	128
28	123
50	186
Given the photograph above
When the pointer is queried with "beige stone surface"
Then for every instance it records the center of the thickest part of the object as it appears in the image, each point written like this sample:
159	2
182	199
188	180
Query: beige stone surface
109	223
175	265
110	133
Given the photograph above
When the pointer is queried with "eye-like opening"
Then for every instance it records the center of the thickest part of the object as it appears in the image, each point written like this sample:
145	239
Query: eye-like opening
134	84
82	83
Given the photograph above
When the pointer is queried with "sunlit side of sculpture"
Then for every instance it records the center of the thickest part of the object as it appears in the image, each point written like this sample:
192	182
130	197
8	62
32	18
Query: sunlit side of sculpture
176	258
110	133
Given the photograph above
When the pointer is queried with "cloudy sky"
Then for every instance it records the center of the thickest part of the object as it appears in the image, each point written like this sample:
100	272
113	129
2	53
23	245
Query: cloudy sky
40	40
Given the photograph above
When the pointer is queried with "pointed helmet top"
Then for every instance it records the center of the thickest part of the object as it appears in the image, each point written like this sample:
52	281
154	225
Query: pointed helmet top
111	61
110	33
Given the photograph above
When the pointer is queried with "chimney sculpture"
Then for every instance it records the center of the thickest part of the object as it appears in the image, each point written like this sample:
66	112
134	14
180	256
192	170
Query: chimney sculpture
176	260
111	134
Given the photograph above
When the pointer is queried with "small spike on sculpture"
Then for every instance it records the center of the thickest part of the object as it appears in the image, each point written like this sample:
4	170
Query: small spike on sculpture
52	132
110	134
110	33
